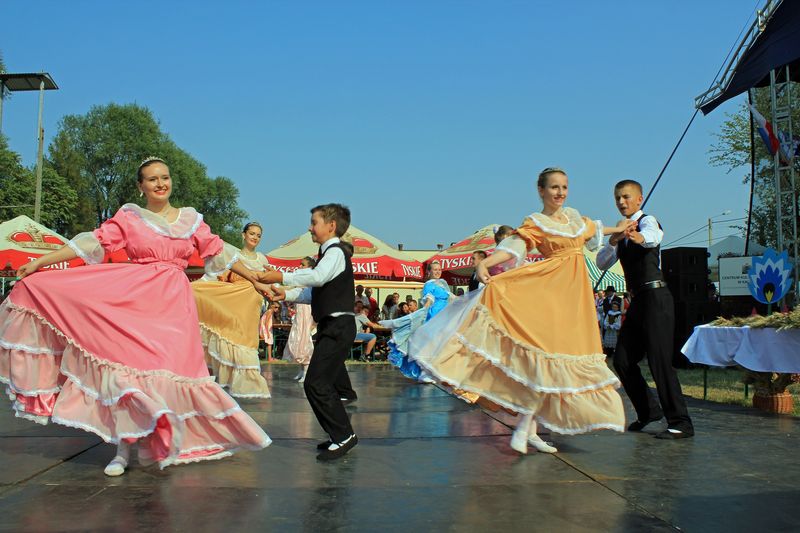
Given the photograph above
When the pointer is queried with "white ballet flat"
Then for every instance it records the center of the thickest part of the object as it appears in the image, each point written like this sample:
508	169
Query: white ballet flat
540	445
519	442
116	467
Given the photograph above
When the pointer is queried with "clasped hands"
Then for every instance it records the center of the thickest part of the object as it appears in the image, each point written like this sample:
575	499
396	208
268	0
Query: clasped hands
626	229
266	284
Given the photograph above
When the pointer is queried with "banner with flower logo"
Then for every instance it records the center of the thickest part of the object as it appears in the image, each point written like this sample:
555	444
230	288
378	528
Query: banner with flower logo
770	276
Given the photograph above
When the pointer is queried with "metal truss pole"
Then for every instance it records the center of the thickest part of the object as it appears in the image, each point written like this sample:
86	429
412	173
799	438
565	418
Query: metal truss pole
783	167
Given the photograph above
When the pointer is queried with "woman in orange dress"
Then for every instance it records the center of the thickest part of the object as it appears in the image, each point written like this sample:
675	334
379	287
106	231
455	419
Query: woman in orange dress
228	308
529	341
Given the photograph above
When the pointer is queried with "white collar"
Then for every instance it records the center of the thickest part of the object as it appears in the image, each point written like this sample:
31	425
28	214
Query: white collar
637	215
327	244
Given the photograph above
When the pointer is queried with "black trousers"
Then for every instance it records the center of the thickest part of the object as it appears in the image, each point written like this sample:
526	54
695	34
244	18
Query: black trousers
648	330
327	380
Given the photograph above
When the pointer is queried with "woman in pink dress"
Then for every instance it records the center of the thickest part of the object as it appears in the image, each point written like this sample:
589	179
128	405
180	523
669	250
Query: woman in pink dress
299	345
114	349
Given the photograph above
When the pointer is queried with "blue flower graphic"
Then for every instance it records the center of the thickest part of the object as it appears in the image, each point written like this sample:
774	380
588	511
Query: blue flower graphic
770	276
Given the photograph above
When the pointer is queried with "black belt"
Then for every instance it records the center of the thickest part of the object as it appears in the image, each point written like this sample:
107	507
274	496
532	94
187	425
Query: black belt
649	286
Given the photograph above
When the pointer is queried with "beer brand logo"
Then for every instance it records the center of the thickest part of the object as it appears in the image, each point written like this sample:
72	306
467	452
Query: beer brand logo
33	237
360	245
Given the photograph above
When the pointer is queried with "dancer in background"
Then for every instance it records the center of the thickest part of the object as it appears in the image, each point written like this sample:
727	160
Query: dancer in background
114	349
229	308
300	346
271	315
435	296
529	340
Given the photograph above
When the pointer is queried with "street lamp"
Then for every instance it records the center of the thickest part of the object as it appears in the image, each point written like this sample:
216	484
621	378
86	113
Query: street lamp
30	82
726	212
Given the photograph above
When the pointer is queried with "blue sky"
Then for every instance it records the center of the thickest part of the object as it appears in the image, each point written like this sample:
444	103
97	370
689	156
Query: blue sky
429	119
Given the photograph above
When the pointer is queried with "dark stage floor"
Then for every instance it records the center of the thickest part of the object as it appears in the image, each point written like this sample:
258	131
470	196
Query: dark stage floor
425	462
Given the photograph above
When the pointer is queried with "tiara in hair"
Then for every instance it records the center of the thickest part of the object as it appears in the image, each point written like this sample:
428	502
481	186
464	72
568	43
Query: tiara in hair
495	228
150	159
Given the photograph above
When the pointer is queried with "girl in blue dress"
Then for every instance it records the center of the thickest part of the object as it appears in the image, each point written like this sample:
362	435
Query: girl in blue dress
435	297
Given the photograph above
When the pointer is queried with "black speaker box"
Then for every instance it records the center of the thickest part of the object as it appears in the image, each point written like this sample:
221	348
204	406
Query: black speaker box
688	287
684	260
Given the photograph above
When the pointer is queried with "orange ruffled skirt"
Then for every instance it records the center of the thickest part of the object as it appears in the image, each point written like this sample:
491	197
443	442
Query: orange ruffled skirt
528	342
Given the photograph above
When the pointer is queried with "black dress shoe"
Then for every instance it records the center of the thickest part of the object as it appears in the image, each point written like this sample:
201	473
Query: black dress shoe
324	445
638	425
330	455
670	435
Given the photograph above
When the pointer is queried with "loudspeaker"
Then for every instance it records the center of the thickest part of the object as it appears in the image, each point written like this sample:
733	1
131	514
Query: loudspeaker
687	316
688	287
684	260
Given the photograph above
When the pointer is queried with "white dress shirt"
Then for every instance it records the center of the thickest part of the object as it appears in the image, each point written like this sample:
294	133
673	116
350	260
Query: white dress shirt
332	264
648	227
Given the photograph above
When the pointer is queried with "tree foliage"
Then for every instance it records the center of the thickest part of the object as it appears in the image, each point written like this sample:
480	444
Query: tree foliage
18	190
99	152
732	152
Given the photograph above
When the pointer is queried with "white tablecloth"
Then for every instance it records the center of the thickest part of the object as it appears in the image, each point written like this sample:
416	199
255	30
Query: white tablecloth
759	349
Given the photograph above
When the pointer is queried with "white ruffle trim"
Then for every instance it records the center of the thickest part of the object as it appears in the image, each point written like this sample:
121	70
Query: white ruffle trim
83	255
596	241
519	408
213	272
539	388
30	349
513	252
159	228
576	223
245	349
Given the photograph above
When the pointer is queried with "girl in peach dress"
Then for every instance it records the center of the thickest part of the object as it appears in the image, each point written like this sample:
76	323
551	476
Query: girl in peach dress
529	341
229	308
114	349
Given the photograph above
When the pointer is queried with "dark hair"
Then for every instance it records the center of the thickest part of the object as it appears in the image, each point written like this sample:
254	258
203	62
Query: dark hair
626	183
250	225
334	213
502	232
544	174
480	253
310	260
402	309
389	300
146	163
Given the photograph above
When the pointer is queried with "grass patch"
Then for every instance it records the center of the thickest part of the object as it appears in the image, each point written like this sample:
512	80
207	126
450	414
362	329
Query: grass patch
724	386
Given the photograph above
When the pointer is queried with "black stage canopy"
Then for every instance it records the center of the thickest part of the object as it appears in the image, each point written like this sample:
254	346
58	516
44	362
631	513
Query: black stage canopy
778	45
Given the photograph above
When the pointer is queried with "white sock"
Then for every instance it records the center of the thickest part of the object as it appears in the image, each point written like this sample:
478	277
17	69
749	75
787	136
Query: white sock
525	424
674	430
336	446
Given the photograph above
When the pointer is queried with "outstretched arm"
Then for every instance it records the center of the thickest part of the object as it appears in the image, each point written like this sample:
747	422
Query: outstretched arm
62	254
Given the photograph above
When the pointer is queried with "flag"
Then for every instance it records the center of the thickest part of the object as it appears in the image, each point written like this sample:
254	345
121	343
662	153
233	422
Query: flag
765	130
781	143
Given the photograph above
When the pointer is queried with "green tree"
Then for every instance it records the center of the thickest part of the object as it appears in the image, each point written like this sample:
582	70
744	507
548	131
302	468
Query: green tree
99	153
18	188
732	152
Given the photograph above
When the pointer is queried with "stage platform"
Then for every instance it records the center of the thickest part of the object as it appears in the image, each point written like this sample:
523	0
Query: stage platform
425	462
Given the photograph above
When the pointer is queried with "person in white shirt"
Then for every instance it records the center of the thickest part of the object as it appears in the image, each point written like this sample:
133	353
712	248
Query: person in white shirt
649	322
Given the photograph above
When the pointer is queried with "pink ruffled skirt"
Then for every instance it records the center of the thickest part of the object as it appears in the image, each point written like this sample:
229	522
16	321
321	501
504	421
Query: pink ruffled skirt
115	350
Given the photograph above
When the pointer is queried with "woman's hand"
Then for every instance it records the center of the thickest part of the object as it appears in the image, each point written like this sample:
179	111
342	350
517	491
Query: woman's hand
482	274
27	269
266	290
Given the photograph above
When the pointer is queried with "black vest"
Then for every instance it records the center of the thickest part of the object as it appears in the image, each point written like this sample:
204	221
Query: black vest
338	295
640	264
474	283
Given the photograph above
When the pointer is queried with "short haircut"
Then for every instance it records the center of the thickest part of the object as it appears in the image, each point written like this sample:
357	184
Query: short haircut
627	183
480	253
334	213
310	260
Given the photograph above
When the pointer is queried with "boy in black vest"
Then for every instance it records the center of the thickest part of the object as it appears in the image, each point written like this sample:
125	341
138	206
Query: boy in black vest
649	322
330	289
